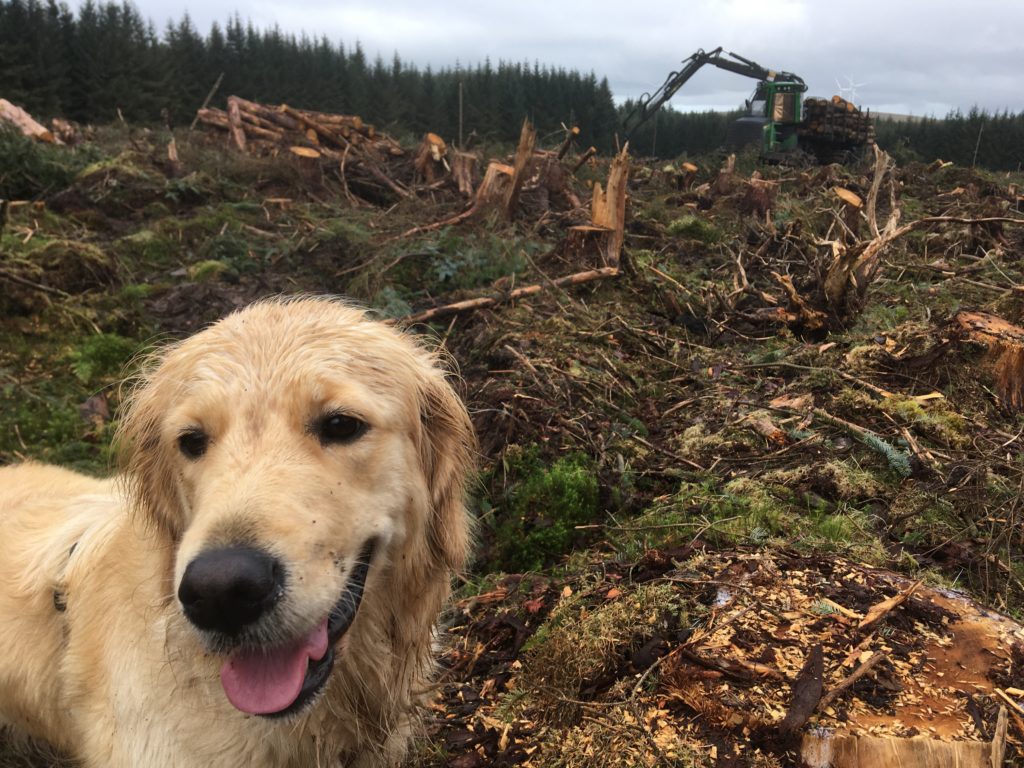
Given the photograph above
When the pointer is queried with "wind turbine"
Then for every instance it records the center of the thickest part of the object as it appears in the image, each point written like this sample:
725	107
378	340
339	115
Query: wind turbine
850	88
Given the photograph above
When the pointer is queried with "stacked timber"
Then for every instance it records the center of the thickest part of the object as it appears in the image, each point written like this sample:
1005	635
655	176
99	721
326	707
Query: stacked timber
836	121
258	127
316	139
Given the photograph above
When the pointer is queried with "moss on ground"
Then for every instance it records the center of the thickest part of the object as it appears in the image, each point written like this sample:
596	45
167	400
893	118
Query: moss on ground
695	228
544	504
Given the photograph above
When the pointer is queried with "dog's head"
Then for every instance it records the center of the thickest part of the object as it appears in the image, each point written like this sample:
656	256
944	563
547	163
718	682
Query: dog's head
304	460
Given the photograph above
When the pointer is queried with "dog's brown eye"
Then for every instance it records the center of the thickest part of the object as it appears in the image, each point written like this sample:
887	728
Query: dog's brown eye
339	428
193	443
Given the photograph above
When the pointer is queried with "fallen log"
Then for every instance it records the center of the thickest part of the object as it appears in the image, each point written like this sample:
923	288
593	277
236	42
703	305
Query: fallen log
591	151
270	114
206	101
22	120
250	118
253	126
288	124
322	132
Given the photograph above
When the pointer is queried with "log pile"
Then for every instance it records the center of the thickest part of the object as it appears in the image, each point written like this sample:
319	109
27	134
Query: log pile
836	121
318	140
255	127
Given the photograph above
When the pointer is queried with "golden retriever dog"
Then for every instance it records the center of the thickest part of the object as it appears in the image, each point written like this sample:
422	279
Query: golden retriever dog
261	585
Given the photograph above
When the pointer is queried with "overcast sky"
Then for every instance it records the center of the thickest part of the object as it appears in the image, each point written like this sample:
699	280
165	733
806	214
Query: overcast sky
907	56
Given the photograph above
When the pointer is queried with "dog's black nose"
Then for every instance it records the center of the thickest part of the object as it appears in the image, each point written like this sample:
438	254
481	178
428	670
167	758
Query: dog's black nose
226	589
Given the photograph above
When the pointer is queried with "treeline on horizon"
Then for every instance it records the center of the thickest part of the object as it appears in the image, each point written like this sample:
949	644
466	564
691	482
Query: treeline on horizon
86	66
106	60
993	141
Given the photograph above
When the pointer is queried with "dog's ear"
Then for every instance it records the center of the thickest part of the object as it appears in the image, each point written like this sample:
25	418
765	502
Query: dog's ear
447	452
146	470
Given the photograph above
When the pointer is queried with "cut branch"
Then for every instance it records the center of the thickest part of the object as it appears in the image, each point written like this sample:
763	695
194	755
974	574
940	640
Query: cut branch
490	301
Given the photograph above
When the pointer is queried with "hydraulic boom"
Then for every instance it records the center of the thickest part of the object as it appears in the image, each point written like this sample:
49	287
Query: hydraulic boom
649	103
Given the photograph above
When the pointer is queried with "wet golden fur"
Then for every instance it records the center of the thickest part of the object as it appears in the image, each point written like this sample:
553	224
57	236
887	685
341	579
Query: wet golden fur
120	679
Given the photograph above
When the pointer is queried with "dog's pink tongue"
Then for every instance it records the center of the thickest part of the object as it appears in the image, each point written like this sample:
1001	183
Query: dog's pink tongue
267	681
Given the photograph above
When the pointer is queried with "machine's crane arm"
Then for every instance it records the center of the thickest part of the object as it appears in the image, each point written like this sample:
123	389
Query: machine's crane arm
650	103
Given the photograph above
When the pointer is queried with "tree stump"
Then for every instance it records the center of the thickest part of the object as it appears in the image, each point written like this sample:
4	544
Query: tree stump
497	180
430	158
307	160
585	242
464	171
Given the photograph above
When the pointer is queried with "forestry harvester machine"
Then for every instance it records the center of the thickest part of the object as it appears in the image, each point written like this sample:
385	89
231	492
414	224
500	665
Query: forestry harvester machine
777	117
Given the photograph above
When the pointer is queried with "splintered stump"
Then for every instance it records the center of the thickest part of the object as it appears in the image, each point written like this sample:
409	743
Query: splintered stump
759	198
582	241
685	176
852	206
726	179
493	190
430	160
495	185
464	171
1005	343
605	234
524	153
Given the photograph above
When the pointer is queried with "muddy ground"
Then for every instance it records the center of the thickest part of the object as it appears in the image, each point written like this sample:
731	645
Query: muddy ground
688	481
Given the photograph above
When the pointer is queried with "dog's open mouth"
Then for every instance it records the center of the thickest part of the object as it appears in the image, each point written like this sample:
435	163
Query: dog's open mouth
279	681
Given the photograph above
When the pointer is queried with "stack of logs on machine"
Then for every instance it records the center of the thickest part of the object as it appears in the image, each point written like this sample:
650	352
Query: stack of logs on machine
837	120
